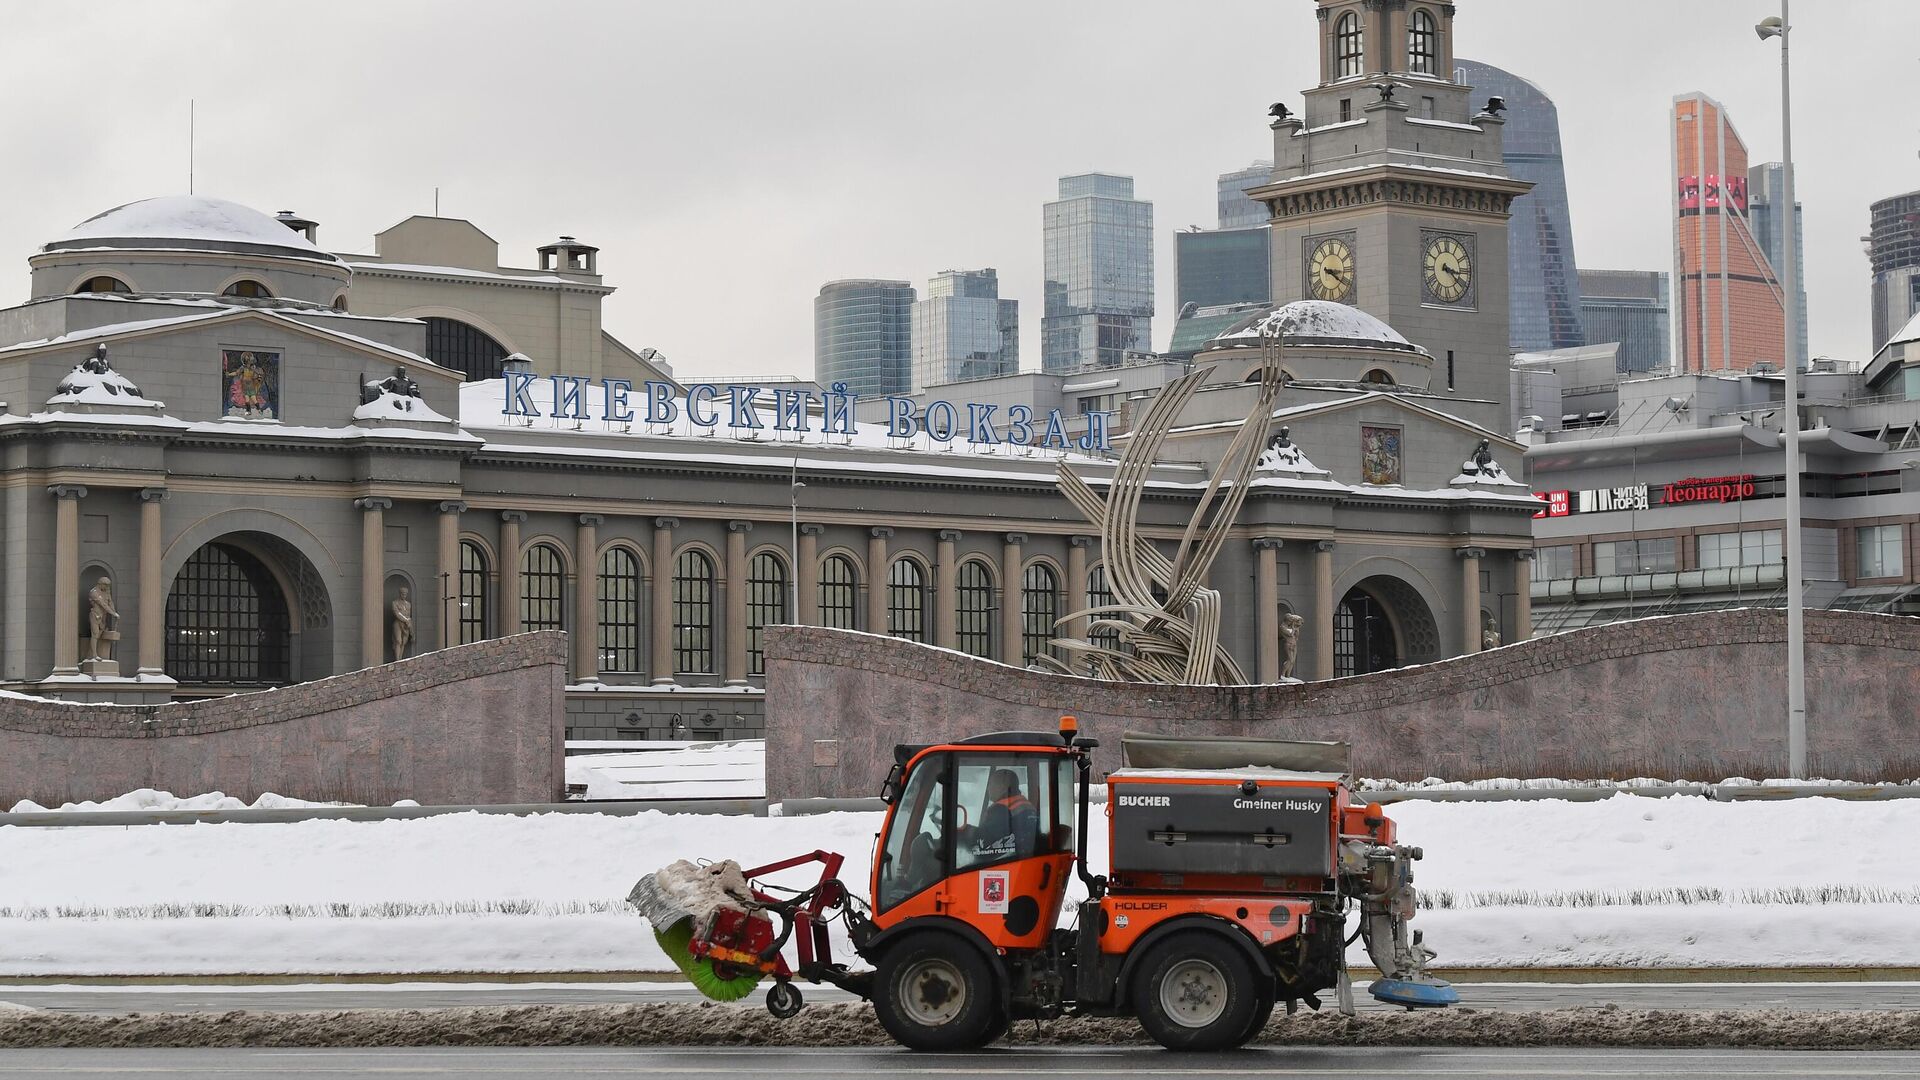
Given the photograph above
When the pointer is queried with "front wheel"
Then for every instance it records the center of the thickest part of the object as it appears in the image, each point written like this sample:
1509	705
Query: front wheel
1197	991
934	991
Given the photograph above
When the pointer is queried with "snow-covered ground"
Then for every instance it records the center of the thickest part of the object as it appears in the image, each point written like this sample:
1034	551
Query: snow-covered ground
150	799
1627	881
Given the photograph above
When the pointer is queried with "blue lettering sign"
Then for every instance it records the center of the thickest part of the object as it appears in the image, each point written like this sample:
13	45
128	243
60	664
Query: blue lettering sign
700	404
790	409
1056	437
980	424
660	406
900	422
838	410
941	430
1098	436
1019	425
569	396
744	415
518	402
618	411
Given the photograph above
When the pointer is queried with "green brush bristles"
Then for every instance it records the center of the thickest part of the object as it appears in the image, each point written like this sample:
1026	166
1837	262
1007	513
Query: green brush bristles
699	970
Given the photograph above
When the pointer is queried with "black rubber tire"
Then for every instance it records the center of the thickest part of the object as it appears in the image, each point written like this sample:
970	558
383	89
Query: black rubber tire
1002	1023
1213	976
1261	1014
933	991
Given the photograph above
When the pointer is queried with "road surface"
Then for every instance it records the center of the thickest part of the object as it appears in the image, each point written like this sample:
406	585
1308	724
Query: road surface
111	1000
551	1064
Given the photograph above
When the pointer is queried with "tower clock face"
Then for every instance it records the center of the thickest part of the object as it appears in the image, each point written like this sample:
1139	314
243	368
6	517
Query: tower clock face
1330	270
1448	270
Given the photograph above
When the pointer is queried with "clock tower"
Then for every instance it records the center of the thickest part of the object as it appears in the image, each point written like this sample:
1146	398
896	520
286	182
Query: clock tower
1391	193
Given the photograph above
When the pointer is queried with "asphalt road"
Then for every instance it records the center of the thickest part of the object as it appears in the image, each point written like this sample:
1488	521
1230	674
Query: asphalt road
540	1064
320	997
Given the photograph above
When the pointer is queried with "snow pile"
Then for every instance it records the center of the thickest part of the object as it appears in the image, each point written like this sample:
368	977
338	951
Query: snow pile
1316	321
95	382
733	770
388	405
1627	882
149	799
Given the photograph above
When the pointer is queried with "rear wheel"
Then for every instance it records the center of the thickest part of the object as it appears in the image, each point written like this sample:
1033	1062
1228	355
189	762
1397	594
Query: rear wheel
1197	991
936	992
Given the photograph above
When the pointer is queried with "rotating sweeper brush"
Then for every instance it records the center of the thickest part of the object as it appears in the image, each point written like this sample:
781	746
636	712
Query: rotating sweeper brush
720	931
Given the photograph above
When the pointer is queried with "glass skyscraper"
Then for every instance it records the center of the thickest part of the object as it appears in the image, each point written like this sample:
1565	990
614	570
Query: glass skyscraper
1893	254
963	330
1631	307
863	336
1543	284
1766	191
1099	274
1236	210
1223	266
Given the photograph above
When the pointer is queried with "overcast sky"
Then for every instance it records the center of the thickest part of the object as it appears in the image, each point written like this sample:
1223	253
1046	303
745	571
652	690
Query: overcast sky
729	158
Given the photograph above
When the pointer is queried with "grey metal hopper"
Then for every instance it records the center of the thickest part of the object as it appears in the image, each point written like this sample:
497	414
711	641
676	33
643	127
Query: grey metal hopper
1229	752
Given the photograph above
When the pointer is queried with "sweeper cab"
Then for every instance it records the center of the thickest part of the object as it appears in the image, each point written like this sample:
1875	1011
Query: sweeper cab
1235	868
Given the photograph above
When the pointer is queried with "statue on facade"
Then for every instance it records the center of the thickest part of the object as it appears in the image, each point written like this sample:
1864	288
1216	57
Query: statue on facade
399	384
102	621
402	611
1290	626
1489	632
1481	468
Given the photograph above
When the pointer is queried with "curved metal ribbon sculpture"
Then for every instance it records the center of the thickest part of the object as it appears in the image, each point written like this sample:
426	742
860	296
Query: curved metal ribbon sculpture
1166	619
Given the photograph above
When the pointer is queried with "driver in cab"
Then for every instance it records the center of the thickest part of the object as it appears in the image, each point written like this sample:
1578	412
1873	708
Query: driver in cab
1010	825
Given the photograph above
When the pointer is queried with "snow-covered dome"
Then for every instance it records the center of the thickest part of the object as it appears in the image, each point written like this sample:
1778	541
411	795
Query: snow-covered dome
1314	322
189	221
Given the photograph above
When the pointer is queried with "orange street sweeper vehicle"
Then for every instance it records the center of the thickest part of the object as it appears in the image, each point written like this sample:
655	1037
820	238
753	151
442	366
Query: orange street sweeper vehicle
1236	868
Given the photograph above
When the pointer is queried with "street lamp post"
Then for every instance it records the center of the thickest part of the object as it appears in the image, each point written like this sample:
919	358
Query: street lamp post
1779	27
793	522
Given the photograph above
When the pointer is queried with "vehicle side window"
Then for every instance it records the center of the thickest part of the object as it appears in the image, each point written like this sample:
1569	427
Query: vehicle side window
1006	808
914	857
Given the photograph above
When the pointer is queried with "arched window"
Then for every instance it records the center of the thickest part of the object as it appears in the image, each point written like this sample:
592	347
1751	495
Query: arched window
1346	46
619	598
766	605
473	592
1377	378
693	612
463	348
1422	56
1100	594
839	592
248	288
227	621
974	633
340	302
543	581
102	283
1039	607
907	600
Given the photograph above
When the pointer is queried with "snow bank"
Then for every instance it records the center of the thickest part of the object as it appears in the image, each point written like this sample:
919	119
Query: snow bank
1622	882
149	799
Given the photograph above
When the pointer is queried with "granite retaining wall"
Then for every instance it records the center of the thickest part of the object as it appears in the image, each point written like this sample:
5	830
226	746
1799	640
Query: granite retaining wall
481	723
1685	697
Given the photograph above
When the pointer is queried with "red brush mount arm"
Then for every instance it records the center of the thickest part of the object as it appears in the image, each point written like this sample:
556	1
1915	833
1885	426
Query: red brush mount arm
804	917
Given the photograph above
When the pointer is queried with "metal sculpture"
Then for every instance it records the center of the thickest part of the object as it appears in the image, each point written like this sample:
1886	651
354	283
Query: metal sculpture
1164	617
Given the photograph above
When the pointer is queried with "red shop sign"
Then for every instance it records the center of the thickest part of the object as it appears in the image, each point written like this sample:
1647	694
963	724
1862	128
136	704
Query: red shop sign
1715	489
1558	503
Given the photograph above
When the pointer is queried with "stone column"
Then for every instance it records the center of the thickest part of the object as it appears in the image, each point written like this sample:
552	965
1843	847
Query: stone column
877	568
806	578
735	585
153	588
1323	601
509	605
1522	595
1076	590
1012	599
1266	597
373	579
946	595
1470	597
586	599
66	577
663	599
449	577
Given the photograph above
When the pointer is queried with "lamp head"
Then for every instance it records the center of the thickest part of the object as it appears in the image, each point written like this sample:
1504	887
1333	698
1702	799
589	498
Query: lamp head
1770	27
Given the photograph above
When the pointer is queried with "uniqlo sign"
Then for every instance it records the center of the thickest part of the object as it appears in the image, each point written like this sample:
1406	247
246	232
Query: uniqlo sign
1558	503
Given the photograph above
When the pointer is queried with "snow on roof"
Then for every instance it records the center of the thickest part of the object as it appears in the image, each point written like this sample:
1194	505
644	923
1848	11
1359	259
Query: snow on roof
194	218
110	330
388	405
1909	332
95	383
1321	321
530	277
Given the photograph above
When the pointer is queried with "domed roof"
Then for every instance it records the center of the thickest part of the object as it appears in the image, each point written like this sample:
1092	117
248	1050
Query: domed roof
1314	322
189	221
